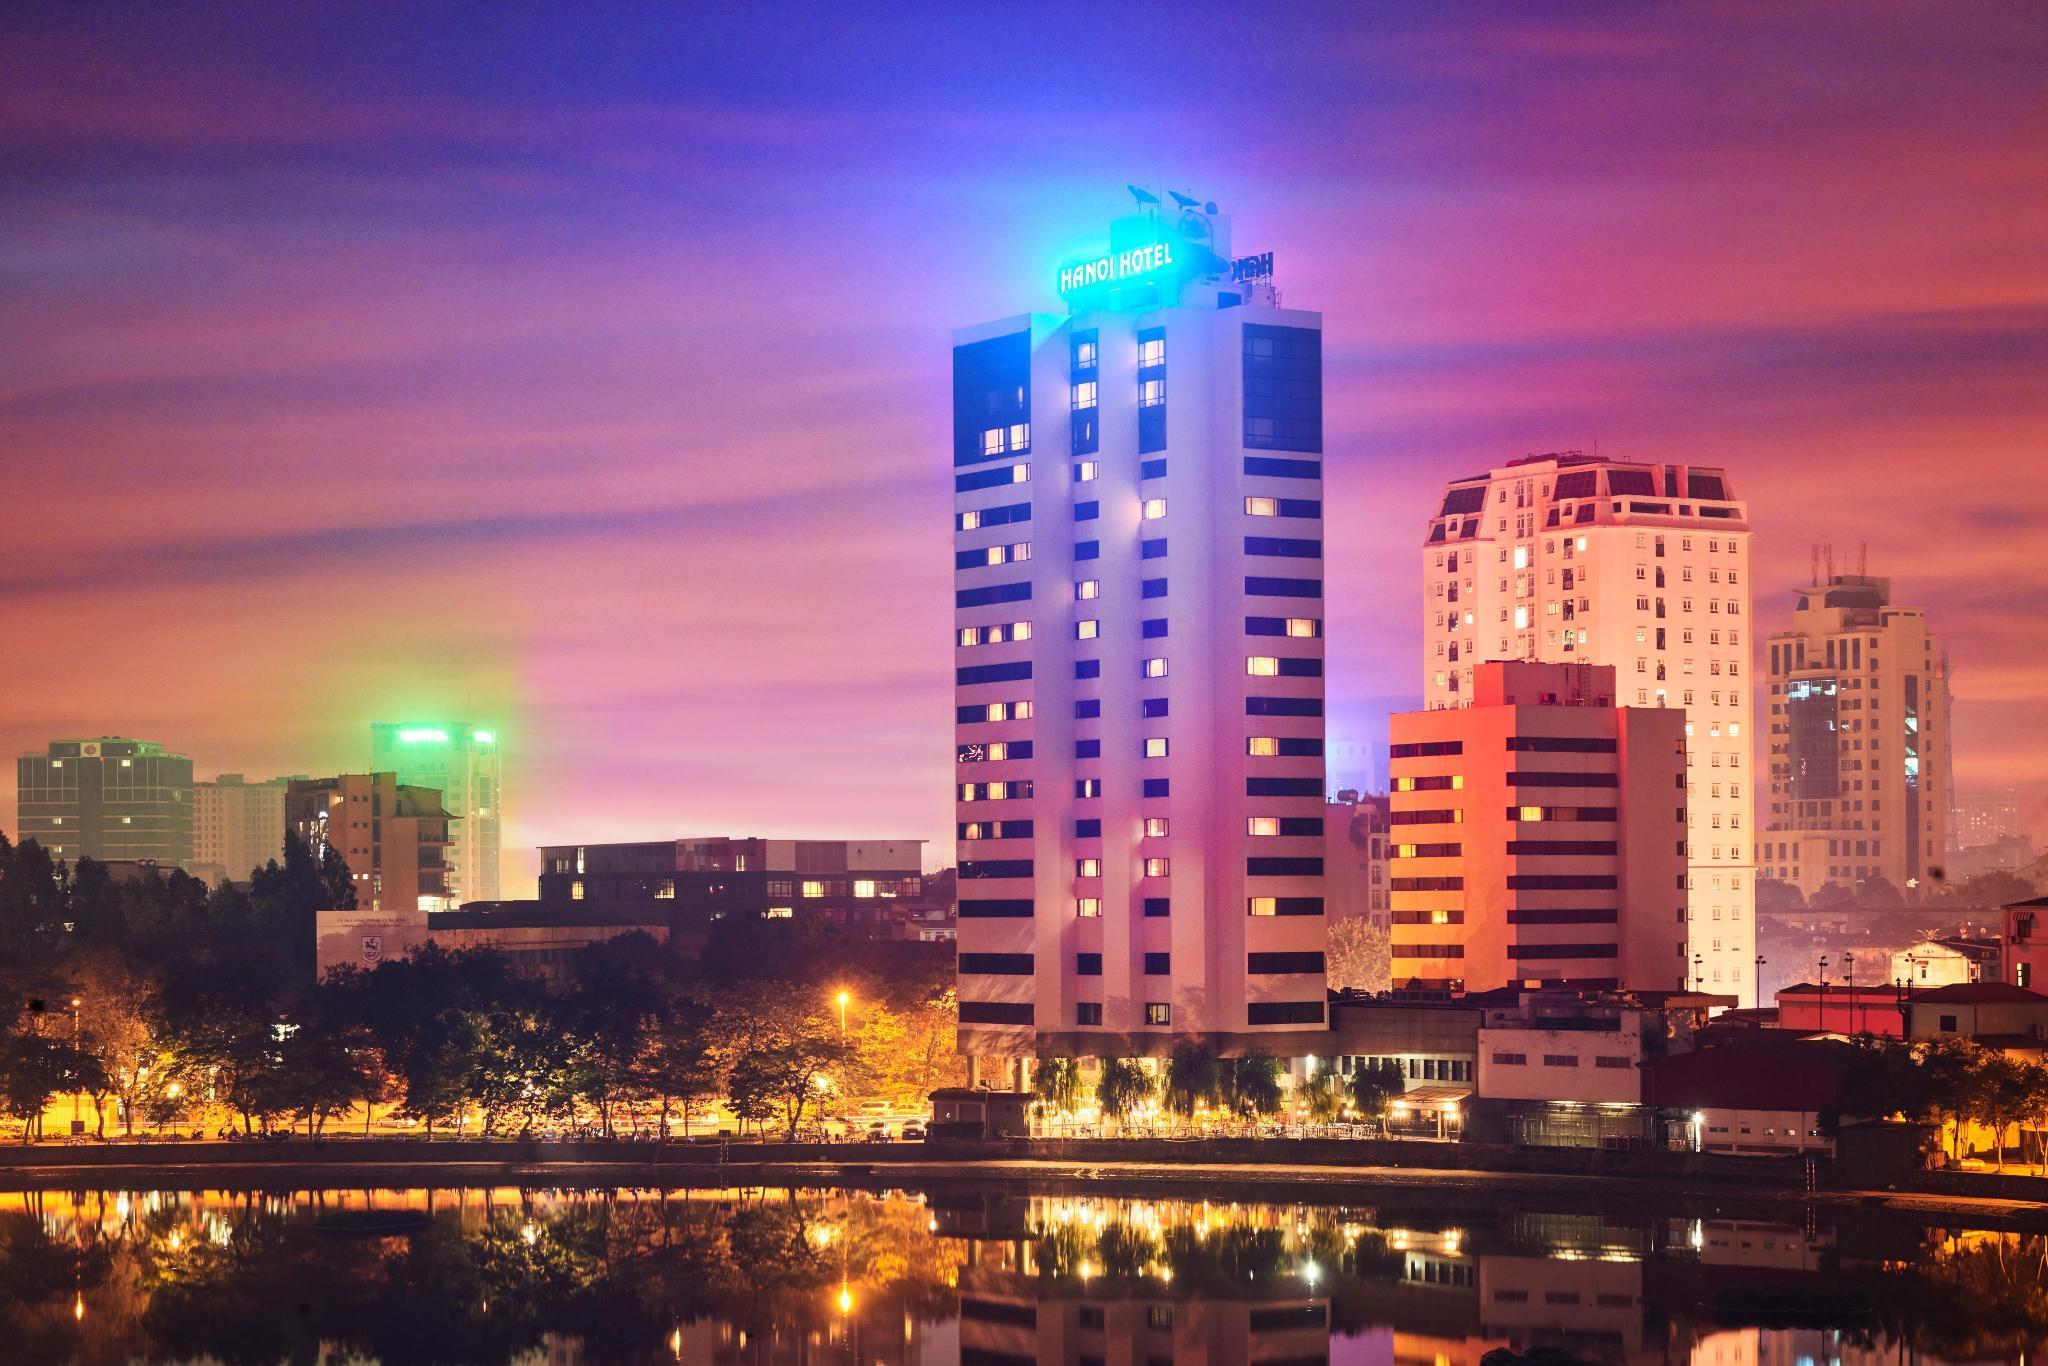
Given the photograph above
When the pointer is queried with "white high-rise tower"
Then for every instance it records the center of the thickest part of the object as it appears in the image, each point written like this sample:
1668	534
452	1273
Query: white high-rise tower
1139	685
1644	567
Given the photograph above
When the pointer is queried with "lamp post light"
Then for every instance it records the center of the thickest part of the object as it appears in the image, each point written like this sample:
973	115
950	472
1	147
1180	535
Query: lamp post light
845	999
77	1124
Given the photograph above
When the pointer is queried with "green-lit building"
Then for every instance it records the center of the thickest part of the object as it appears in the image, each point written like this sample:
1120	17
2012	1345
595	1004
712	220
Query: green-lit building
108	798
461	762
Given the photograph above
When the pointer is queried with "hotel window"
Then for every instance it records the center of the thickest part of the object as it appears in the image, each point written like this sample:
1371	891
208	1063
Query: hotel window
1154	509
1087	471
1155	668
1088	867
1087	1012
864	887
1158	1013
814	890
1304	627
1087	589
665	890
1263	905
1262	507
1262	825
1088	907
1084	394
1262	746
1151	352
1158	826
1155	747
1087	630
576	890
1158	867
1262	666
968	521
1088	787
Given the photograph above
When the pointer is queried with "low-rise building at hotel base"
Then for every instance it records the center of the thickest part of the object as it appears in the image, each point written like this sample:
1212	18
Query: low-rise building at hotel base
542	940
391	836
869	886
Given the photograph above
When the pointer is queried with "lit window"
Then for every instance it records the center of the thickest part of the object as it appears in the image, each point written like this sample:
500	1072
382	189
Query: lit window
1262	825
1084	394
992	441
1088	867
1262	666
1439	917
1262	507
776	913
1262	745
1530	813
1088	588
1152	352
1084	354
1155	747
1155	668
1301	626
127	820
1157	826
1152	393
969	521
1158	867
1087	630
1087	472
1088	907
665	890
1020	630
817	889
1263	905
970	635
1154	509
864	886
576	890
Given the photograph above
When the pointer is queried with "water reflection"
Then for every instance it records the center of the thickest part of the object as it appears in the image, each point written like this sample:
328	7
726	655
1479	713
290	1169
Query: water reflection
964	1275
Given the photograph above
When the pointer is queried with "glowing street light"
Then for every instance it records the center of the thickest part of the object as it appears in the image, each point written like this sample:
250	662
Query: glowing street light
845	999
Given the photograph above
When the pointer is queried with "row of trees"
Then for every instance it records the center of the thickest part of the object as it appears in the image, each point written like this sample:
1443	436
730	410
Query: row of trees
170	1002
1195	1080
1956	1083
1984	892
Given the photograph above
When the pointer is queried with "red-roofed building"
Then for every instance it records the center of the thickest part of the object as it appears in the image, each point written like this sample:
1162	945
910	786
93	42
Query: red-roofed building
2025	947
1987	1011
1763	1095
1810	1008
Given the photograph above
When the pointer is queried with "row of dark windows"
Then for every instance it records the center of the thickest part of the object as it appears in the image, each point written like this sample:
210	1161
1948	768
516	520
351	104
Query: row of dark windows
995	516
1550	848
1283	706
1269	866
995	830
973	869
1277	626
1293	548
977	753
984	479
1090	1013
1020	908
1260	586
1563	780
1427	749
1560	882
1283	388
992	594
1560	744
1543	952
1565	915
1011	671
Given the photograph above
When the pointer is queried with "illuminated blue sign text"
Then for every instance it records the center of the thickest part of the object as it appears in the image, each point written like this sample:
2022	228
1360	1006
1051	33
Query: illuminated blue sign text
1111	268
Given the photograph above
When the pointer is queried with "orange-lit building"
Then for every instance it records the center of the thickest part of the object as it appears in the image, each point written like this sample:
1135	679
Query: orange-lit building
392	837
1538	836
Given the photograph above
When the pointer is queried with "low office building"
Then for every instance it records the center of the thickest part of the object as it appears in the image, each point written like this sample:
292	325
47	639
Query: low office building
1946	961
1764	1095
1539	837
858	884
391	836
107	798
542	940
1564	1076
237	827
1836	1008
1996	1014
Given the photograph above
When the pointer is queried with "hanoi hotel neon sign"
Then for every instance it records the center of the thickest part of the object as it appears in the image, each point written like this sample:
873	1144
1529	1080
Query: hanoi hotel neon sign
1116	267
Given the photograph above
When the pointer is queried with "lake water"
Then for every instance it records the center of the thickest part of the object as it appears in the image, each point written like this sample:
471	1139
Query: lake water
1081	1275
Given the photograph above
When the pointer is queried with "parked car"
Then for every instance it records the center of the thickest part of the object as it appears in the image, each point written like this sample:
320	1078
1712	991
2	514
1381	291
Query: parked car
913	1132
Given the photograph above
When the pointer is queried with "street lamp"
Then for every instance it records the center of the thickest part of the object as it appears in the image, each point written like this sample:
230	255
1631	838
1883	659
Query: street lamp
844	1000
77	1125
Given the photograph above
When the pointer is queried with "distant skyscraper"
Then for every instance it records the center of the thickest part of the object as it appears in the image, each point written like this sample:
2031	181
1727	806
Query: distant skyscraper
461	762
1859	739
1139	683
1642	567
107	798
237	826
1984	818
392	837
1538	835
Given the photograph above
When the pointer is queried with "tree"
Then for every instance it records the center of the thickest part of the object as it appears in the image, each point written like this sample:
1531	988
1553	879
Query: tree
1832	897
679	1066
115	1007
1123	1088
1191	1079
1359	956
34	1070
1955	1072
1374	1087
1323	1095
1250	1085
1878	893
1057	1084
1997	888
1776	896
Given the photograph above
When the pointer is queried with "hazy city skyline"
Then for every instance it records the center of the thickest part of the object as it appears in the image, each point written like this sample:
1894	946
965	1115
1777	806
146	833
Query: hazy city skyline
597	392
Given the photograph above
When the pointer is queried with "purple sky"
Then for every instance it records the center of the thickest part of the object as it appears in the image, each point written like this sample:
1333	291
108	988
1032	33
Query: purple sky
585	372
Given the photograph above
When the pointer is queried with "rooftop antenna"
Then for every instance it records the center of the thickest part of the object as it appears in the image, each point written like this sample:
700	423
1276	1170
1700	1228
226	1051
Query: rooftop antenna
1141	195
1863	559
1831	560
1816	564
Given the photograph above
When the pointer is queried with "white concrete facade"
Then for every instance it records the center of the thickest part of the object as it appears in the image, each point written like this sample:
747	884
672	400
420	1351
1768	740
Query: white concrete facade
1115	885
1643	567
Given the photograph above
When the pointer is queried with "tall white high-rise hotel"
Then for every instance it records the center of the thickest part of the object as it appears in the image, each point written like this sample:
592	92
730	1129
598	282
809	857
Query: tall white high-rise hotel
1138	577
1643	567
